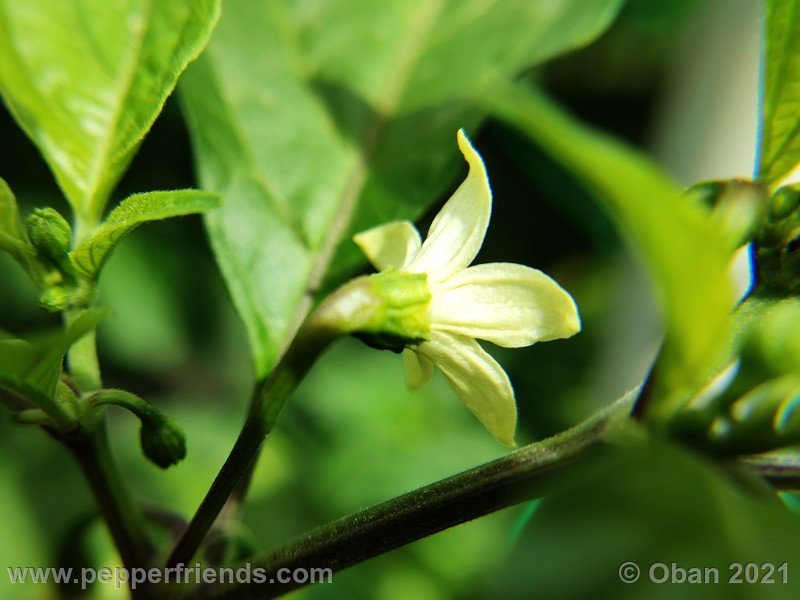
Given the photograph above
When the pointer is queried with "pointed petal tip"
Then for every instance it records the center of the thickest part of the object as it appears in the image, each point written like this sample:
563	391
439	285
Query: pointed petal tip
504	431
472	157
508	441
462	138
457	232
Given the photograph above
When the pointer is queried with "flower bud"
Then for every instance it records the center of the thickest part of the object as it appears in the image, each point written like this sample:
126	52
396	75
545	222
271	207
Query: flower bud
49	233
784	202
706	192
738	207
163	440
54	299
764	419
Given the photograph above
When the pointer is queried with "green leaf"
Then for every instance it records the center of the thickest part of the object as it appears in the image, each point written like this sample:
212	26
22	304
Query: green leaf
347	119
91	254
12	238
86	80
686	255
779	144
33	368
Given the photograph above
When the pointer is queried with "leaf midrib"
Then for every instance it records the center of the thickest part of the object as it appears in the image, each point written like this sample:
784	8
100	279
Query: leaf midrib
407	59
105	142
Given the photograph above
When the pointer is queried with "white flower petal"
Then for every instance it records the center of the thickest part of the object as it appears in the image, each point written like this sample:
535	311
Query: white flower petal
480	382
390	245
419	370
507	304
457	232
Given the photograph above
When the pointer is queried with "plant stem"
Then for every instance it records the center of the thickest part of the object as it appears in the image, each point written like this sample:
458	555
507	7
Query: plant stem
82	359
124	519
340	314
522	475
90	446
782	471
273	397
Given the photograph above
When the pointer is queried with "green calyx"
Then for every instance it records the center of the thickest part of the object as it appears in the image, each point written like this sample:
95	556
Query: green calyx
401	314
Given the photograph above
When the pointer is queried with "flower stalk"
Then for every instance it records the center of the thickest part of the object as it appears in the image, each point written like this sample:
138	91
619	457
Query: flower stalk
357	306
84	367
426	302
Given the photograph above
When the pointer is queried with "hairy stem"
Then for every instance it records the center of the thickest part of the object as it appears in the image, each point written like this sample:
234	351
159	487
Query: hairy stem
90	446
522	475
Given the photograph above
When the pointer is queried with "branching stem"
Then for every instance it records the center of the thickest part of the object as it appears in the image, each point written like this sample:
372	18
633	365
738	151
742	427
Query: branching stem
343	312
522	475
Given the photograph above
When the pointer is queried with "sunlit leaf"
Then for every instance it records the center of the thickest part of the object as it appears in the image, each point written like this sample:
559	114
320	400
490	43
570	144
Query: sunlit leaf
686	255
779	149
85	80
90	255
317	120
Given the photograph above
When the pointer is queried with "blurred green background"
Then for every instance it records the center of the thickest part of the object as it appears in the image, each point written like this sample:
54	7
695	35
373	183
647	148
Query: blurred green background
676	77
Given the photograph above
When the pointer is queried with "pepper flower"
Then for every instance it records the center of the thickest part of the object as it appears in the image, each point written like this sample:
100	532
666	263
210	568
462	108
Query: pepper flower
508	304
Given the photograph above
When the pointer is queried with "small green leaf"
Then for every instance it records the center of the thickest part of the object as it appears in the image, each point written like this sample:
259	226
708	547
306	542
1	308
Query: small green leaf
90	255
348	119
779	146
686	254
86	80
33	368
12	238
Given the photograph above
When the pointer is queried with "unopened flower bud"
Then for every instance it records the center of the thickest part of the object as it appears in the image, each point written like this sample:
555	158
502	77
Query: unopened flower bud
738	207
49	233
54	299
163	440
784	202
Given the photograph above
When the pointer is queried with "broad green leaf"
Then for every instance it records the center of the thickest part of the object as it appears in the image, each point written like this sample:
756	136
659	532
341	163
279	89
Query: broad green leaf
33	368
316	120
779	146
686	255
90	255
86	80
11	237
